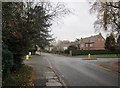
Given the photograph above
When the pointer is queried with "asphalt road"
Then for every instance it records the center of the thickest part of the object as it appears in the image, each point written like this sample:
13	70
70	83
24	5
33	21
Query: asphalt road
79	72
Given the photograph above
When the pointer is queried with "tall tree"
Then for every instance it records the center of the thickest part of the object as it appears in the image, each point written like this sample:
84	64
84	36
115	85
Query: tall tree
107	45
26	24
12	38
110	42
108	15
118	42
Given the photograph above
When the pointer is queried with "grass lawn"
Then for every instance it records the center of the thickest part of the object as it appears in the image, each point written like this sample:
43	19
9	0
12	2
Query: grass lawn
23	77
100	56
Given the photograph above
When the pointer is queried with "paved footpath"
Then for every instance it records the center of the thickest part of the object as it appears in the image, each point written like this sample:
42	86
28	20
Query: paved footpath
44	75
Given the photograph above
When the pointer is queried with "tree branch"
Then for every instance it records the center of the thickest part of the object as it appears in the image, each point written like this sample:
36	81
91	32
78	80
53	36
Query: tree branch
114	6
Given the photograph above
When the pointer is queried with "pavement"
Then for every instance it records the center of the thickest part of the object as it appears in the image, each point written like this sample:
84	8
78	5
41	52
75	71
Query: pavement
70	71
44	75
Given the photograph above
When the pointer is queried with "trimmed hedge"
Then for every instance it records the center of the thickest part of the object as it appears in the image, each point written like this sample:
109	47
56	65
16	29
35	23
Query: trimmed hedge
93	52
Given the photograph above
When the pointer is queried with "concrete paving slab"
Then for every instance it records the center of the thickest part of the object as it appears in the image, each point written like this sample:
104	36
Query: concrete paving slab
49	77
55	77
49	72
56	80
58	84
50	84
53	84
51	80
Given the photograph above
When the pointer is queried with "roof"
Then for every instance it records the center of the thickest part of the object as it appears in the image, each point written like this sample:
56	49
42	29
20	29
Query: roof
74	43
90	39
64	43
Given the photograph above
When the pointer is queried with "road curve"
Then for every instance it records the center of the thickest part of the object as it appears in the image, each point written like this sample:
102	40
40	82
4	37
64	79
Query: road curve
79	72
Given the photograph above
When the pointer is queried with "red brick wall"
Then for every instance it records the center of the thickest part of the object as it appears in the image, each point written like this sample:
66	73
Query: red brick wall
99	44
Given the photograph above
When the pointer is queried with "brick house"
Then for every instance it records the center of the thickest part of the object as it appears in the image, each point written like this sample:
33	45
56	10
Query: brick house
96	42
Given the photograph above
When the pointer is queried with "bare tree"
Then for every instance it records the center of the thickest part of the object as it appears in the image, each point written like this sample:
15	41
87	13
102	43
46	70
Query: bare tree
108	15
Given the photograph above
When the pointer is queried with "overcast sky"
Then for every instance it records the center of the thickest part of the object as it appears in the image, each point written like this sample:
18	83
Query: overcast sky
77	25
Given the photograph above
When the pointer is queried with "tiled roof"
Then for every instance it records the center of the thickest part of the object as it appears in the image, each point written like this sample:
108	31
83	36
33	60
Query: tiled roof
90	39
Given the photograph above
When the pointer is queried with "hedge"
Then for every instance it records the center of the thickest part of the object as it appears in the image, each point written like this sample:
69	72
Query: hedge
93	52
7	61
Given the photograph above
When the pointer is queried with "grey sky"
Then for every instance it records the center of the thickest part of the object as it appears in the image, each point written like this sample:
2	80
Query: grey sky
78	25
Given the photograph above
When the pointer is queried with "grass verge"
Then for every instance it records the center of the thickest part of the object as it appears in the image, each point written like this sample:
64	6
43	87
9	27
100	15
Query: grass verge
22	78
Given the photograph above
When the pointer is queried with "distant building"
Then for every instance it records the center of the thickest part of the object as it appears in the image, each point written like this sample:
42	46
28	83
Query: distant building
63	45
49	48
76	43
96	42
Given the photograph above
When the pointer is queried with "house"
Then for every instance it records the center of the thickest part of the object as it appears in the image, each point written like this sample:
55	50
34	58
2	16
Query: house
49	48
63	45
96	42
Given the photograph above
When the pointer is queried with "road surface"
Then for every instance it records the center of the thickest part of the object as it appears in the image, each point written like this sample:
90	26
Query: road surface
79	72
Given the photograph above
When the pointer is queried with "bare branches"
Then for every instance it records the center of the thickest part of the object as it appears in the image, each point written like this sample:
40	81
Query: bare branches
54	9
42	14
107	15
114	5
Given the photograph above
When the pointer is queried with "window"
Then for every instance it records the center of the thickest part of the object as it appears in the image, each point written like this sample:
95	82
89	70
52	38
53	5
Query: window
86	45
91	45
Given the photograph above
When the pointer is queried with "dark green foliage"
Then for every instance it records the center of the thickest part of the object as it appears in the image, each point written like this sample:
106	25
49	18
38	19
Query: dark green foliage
66	51
7	61
25	24
72	47
32	49
118	40
107	45
22	27
12	32
118	43
19	79
93	52
54	50
110	43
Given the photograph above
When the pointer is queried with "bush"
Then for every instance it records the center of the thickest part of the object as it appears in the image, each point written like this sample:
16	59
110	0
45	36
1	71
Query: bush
17	60
72	47
93	52
20	79
7	61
